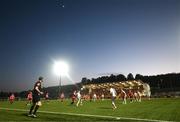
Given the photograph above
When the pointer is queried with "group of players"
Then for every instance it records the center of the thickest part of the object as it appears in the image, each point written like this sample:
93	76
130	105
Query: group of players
33	97
132	95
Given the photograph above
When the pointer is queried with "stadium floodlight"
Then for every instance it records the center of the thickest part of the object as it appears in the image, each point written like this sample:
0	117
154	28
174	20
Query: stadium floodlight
61	68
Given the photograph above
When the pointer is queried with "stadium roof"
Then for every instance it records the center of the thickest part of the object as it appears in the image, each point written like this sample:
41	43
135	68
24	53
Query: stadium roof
123	84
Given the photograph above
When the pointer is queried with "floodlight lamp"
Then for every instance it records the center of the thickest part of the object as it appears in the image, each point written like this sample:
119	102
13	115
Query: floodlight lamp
61	68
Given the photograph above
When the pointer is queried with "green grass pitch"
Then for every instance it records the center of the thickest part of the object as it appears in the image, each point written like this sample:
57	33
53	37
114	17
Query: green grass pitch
167	109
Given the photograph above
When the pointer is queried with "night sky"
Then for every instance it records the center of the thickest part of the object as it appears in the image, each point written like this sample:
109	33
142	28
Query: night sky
95	37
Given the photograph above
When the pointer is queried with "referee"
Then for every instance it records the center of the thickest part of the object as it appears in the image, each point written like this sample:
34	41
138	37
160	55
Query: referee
36	98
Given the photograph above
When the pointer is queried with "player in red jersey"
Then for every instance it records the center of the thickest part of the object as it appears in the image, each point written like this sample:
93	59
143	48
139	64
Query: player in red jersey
47	97
29	98
62	97
73	97
130	95
11	98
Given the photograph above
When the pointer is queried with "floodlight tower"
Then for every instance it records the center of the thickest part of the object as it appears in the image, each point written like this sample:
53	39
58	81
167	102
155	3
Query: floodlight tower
61	69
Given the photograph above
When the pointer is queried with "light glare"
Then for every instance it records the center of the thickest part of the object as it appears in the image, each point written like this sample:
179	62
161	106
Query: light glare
61	68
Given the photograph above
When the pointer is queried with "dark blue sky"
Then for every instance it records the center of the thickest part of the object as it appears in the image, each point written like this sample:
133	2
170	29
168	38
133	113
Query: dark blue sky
95	37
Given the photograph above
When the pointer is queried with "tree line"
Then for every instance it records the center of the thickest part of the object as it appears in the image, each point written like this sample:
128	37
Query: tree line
158	83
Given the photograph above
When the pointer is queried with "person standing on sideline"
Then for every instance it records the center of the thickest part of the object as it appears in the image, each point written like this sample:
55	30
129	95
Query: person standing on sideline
36	98
113	97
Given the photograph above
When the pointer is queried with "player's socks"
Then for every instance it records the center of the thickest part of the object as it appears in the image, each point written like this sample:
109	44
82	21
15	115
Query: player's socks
32	107
36	108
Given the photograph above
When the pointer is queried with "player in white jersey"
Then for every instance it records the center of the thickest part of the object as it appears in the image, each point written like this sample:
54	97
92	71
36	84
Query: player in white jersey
139	96
135	96
94	97
79	98
147	90
123	96
102	97
113	97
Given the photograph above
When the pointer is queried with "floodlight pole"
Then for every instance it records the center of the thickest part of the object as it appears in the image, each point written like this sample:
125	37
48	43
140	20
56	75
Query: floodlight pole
59	84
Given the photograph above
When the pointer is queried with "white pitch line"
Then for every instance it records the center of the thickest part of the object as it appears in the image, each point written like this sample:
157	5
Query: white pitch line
89	115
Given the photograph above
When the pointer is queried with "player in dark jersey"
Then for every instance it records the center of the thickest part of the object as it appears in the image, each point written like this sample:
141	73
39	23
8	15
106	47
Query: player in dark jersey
36	98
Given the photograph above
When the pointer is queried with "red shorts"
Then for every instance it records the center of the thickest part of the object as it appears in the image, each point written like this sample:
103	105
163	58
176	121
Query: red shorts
11	99
29	99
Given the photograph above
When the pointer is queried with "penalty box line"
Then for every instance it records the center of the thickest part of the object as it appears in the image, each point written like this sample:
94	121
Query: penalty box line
88	115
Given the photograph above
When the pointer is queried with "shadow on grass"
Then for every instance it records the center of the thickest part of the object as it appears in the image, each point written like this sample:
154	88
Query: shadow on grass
105	108
24	114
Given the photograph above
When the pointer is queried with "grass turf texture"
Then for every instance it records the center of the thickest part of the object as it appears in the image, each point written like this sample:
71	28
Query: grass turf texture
155	109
